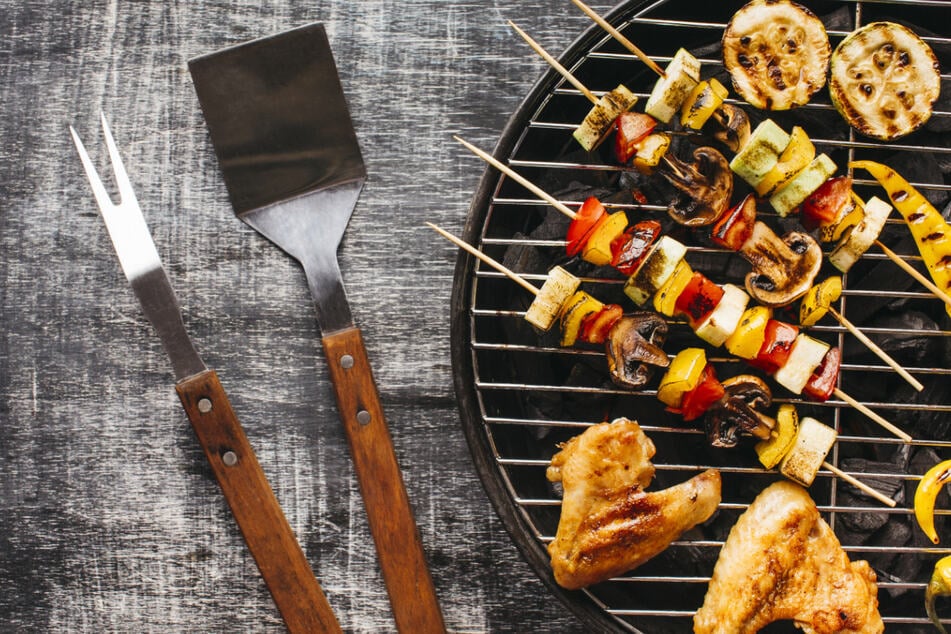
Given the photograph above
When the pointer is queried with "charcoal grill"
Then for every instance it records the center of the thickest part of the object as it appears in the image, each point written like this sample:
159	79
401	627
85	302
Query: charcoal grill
521	394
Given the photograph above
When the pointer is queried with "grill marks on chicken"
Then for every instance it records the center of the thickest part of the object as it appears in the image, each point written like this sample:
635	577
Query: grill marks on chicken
782	561
609	524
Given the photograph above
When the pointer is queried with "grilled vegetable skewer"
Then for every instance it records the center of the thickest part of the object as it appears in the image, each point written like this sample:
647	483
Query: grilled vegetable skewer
690	389
591	234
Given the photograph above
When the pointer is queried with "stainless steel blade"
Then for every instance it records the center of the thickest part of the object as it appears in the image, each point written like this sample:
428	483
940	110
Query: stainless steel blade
288	151
140	260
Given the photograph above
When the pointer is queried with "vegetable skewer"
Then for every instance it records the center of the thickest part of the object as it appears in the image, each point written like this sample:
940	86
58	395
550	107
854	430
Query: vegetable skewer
800	448
727	328
938	292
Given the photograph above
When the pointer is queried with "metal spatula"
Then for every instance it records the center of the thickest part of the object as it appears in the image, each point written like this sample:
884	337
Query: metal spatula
282	132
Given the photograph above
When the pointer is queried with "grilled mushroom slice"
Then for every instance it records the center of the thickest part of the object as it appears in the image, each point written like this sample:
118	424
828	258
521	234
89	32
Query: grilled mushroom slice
634	346
735	414
777	53
734	126
784	268
884	80
707	185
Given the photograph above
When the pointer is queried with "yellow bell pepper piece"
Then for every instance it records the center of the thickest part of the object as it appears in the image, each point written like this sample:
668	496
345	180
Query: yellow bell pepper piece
939	586
665	299
650	150
781	438
928	489
932	234
573	313
703	101
817	301
747	339
682	375
597	248
798	154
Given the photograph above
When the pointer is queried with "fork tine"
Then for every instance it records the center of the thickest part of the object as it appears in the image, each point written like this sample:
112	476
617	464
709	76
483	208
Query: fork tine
98	189
126	193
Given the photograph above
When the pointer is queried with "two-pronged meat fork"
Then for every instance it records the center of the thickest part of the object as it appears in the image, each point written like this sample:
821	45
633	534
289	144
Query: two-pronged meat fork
266	531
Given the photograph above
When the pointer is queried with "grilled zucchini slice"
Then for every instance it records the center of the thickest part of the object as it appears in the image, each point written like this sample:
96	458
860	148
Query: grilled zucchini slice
777	53
884	80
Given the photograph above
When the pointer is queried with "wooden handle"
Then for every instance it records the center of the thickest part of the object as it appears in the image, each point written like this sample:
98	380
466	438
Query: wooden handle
269	537
398	546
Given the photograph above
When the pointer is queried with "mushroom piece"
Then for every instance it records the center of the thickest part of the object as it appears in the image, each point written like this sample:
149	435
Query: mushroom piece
736	414
634	346
707	185
783	268
734	125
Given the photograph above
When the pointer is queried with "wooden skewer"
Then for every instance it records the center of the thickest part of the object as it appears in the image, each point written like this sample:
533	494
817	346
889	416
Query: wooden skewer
626	43
875	417
533	290
518	178
555	64
884	499
912	271
915	383
465	246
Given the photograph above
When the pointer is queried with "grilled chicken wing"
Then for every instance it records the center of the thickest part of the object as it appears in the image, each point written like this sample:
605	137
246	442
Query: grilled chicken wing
608	523
782	561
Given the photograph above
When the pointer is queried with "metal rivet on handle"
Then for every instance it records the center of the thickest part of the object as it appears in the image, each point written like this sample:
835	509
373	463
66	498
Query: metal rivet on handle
204	405
230	458
363	417
346	362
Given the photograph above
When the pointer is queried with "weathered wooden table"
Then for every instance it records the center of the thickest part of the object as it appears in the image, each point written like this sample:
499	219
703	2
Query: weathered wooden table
110	519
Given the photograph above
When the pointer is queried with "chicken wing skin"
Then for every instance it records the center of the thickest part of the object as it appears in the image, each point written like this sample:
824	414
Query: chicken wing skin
782	561
608	523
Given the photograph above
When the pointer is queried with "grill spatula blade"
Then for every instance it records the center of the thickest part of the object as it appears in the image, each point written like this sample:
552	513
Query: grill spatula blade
282	132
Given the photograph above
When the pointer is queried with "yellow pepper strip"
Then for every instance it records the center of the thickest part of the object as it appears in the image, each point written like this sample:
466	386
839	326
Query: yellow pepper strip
928	488
665	299
579	306
650	150
781	438
704	100
939	586
683	374
797	155
817	301
748	337
597	249
932	234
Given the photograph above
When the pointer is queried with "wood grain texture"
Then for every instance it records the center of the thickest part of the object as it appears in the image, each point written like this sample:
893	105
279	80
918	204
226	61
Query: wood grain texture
399	549
270	539
110	518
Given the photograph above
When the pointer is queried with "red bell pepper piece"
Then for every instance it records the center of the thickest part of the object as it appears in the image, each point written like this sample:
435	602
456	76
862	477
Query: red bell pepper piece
698	299
582	226
736	225
596	326
698	400
823	381
632	127
778	343
632	246
822	206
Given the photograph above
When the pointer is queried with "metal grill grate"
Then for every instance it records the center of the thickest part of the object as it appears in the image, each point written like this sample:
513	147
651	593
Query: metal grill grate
522	394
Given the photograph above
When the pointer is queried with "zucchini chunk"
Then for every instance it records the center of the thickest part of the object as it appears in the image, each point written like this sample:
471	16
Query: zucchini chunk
884	80
777	53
